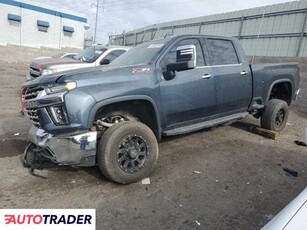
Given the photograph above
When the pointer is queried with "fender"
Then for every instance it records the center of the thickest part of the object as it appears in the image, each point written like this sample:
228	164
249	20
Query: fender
284	80
103	103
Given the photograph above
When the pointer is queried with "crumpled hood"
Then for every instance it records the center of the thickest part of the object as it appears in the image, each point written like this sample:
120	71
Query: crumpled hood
46	62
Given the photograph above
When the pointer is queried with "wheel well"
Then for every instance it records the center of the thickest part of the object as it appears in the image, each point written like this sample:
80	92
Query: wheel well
141	109
282	91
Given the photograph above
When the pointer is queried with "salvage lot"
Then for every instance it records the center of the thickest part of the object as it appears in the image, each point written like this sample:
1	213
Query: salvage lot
240	185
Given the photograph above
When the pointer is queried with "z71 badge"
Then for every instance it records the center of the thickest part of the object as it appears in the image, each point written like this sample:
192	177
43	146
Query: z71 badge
140	70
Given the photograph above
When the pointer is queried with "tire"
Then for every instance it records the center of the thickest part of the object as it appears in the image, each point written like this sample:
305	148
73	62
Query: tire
131	142
275	115
28	156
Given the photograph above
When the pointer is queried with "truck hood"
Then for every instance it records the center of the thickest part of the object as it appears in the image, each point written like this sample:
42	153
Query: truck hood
90	76
46	62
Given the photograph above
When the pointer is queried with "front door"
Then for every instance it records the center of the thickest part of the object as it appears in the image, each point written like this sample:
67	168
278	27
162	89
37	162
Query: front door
190	96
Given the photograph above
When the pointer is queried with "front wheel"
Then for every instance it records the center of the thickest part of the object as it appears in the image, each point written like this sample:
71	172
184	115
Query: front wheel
275	115
127	152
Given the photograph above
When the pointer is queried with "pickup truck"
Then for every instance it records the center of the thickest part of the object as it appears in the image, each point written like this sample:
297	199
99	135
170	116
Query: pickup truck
90	57
60	55
114	116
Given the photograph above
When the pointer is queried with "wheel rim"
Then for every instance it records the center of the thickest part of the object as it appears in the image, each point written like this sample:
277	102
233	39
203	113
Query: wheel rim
132	154
280	117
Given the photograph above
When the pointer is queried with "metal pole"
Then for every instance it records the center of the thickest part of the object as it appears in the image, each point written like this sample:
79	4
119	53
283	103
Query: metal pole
97	10
143	36
173	28
258	36
302	35
240	27
135	38
199	28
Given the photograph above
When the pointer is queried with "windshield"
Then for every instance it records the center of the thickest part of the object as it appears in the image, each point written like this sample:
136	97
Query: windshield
90	54
141	54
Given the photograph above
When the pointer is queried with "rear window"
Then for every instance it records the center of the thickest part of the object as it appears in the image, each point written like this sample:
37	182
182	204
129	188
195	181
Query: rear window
221	52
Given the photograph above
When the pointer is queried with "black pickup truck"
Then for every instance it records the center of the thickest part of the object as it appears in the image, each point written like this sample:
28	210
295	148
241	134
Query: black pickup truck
113	116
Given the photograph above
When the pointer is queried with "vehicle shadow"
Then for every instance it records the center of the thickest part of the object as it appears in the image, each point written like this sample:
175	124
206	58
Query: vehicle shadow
95	172
245	126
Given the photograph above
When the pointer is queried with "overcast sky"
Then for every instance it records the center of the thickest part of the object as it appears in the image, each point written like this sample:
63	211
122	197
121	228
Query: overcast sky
115	16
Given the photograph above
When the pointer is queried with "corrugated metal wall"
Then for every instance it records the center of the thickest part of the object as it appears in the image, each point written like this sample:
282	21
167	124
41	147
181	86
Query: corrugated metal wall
274	30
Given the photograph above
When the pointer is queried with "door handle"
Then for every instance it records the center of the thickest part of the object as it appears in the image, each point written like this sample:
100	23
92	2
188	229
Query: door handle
243	72
206	76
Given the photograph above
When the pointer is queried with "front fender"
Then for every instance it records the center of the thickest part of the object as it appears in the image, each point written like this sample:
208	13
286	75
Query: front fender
110	101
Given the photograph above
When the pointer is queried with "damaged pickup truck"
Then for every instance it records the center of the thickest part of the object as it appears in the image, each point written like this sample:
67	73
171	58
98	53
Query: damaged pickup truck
114	116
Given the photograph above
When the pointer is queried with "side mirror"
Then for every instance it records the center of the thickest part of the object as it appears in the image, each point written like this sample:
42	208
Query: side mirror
105	62
186	53
180	66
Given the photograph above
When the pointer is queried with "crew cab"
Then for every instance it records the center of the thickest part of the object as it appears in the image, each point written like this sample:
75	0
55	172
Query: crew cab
114	116
90	57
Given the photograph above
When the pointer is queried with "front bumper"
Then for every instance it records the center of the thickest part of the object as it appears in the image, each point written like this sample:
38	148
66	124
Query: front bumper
73	149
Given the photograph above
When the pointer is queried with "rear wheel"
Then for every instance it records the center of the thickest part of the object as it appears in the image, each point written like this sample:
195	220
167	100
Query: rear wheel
275	115
127	152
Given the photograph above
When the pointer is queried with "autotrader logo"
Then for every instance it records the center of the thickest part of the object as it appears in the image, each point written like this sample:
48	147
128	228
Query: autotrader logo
47	219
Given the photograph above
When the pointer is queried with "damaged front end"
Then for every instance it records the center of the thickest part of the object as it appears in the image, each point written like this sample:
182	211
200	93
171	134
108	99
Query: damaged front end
75	149
71	146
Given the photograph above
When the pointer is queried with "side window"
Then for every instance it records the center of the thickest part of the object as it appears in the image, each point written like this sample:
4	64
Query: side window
221	52
170	57
114	54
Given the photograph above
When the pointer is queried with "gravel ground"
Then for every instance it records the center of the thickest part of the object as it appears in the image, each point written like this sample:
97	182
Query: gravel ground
222	178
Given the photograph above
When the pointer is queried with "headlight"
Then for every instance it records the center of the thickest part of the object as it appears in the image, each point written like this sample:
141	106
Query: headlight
47	71
59	114
61	88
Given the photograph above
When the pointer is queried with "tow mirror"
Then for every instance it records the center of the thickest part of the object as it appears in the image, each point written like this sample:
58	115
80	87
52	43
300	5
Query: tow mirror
180	66
185	54
185	59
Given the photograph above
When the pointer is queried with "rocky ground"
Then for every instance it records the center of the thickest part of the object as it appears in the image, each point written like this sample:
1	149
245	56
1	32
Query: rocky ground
222	178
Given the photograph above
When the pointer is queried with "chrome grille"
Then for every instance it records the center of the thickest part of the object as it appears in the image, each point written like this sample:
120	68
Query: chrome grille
32	92
28	95
32	114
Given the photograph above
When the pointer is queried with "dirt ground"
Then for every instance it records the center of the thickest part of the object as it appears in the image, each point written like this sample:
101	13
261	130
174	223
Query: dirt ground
241	184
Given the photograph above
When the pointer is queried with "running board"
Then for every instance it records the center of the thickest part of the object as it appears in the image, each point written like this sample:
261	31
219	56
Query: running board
205	124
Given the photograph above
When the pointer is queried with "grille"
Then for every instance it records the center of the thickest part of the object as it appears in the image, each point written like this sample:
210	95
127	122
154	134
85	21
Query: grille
34	72
31	93
28	95
32	114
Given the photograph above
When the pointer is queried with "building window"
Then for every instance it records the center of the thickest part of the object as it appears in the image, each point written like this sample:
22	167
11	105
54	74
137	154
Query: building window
14	20
68	31
42	25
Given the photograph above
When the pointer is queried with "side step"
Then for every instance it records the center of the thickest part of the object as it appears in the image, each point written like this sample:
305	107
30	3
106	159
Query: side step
205	124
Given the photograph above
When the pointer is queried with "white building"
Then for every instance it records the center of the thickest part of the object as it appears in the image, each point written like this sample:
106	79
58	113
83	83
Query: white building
30	23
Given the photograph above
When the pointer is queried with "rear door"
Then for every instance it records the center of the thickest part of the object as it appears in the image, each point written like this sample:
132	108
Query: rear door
190	96
233	80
